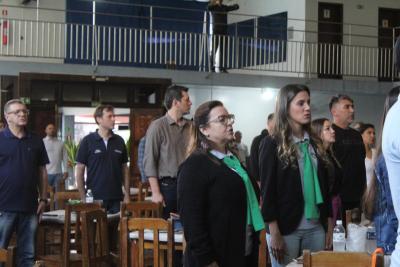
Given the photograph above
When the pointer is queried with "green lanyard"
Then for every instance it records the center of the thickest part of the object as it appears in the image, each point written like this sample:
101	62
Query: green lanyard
312	191
254	216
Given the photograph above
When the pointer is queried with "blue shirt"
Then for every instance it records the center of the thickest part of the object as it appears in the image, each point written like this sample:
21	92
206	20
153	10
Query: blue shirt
391	152
20	160
140	163
384	216
104	165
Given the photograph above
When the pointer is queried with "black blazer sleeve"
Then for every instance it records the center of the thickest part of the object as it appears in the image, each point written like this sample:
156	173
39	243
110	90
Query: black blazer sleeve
232	7
268	161
222	8
192	193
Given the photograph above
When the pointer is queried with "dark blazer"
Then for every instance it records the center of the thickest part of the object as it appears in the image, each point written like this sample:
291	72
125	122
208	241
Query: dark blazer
281	190
213	207
253	162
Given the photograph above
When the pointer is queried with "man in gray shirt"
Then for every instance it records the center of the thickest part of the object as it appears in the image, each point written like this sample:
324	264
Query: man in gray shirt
166	142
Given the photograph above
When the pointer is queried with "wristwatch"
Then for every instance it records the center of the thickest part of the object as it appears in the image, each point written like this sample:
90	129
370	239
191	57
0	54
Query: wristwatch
43	200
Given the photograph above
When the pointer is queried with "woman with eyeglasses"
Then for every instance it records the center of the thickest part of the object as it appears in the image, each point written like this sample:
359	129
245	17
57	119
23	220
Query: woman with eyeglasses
217	200
296	205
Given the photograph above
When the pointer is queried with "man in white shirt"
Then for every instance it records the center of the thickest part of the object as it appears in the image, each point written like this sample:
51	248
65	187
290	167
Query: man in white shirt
391	153
57	157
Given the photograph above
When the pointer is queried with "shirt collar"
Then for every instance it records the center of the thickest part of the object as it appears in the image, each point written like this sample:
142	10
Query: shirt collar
7	133
98	137
297	140
219	154
171	121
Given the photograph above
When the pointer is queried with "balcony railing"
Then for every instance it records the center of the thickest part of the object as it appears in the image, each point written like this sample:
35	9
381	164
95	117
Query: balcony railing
109	45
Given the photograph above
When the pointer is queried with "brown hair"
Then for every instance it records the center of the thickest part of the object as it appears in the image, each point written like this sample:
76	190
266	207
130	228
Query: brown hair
282	131
98	113
198	141
369	195
317	127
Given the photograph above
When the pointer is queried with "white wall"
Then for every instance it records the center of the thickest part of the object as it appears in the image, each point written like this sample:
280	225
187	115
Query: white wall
251	109
360	61
30	34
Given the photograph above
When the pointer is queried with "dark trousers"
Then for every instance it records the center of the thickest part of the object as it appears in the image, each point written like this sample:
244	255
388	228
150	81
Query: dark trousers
112	206
217	43
168	188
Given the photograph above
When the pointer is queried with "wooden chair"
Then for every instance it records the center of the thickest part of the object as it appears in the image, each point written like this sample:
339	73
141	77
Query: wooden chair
95	247
50	193
340	259
141	209
156	225
7	256
71	231
144	190
263	255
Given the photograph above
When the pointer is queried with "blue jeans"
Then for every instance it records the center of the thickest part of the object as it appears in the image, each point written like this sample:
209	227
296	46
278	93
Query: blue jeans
54	180
312	239
25	225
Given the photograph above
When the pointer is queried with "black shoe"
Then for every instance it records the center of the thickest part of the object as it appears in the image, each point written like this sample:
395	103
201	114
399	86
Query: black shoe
223	70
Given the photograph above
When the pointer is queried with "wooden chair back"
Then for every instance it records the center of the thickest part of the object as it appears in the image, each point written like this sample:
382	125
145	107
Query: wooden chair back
62	197
141	209
263	255
95	246
144	190
72	230
156	225
50	193
340	259
7	256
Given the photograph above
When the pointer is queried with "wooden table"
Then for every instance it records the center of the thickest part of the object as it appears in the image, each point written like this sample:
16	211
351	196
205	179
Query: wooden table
54	221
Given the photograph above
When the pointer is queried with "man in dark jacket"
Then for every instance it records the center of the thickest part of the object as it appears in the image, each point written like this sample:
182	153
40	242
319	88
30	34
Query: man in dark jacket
253	164
219	26
349	151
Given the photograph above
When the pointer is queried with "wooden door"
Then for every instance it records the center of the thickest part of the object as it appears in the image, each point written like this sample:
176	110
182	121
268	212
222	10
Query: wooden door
139	122
330	39
388	18
39	118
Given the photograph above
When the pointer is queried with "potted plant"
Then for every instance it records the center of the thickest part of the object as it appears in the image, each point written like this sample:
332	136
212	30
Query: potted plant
71	147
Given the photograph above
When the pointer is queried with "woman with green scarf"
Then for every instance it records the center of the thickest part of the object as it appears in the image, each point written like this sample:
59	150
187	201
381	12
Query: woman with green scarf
294	182
217	200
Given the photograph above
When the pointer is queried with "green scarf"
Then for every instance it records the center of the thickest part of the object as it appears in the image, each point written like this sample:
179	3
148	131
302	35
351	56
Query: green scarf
312	191
254	216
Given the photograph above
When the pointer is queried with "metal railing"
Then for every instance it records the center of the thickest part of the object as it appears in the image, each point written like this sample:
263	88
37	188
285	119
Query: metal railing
109	45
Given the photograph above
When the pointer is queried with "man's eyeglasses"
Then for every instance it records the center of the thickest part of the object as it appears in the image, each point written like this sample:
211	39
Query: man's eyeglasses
224	119
18	111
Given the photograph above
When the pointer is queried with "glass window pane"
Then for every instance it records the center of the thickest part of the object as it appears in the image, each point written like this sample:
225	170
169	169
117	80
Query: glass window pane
77	92
112	93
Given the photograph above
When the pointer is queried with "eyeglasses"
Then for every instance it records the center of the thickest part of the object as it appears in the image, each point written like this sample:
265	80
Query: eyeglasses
18	111
224	119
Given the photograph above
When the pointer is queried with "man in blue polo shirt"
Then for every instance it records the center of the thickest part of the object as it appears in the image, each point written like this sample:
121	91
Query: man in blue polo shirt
23	160
104	155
